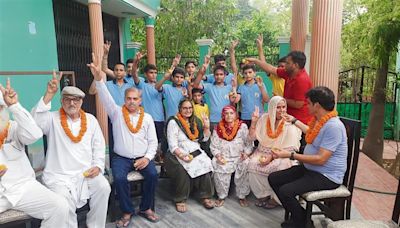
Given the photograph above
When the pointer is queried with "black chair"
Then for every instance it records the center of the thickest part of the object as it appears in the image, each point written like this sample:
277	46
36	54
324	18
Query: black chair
336	204
359	223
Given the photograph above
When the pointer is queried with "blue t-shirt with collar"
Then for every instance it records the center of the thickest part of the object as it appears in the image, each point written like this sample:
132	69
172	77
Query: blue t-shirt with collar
173	95
118	92
151	100
219	98
250	96
332	137
228	78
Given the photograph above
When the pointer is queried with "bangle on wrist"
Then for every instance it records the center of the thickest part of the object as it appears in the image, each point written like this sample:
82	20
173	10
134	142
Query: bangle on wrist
292	156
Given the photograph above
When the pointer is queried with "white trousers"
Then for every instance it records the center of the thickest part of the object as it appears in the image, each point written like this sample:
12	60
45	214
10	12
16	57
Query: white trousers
99	190
260	186
222	183
41	203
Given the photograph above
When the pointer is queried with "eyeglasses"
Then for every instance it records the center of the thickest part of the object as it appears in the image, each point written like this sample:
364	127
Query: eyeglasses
73	99
187	108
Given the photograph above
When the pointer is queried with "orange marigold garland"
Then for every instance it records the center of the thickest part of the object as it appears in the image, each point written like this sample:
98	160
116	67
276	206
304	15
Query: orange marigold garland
225	135
278	131
314	128
132	129
4	134
192	136
64	125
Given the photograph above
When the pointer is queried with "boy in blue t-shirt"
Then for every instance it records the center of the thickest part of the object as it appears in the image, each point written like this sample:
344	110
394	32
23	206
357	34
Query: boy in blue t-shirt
175	92
151	98
220	94
219	60
252	93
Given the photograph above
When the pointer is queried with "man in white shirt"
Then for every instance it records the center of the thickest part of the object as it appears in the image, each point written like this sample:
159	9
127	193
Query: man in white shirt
135	145
19	189
75	155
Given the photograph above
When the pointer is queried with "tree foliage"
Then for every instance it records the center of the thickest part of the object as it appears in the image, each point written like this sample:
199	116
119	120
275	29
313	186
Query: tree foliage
181	22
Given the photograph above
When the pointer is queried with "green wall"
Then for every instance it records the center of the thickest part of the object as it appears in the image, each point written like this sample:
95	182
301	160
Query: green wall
28	43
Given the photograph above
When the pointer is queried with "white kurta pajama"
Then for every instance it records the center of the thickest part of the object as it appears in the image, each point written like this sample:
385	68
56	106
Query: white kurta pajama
177	139
231	151
66	161
18	186
289	140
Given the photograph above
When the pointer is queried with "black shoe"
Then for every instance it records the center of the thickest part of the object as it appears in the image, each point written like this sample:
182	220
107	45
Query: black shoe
288	224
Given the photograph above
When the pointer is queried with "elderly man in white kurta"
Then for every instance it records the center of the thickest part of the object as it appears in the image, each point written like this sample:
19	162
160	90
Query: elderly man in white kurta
19	189
135	145
75	155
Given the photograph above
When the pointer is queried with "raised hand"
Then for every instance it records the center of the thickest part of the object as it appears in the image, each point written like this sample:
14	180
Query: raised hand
138	57
106	47
207	60
256	114
9	95
176	60
95	67
234	44
185	92
206	121
52	85
259	40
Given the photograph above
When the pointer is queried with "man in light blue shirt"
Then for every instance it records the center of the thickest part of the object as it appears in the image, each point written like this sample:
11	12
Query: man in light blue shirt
324	158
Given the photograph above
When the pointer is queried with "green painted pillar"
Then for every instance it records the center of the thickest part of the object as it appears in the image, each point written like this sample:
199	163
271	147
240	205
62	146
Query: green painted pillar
125	24
204	49
284	46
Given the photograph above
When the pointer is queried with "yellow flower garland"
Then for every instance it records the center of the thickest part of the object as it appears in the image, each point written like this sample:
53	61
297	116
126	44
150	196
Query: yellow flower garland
64	125
314	128
132	129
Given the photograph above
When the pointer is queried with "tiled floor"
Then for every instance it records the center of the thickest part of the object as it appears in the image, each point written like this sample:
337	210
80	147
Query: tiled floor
371	176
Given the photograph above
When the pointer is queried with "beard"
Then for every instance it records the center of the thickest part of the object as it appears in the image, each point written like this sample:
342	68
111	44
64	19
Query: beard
4	118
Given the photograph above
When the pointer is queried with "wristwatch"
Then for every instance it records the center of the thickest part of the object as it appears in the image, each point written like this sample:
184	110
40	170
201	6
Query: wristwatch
294	121
292	156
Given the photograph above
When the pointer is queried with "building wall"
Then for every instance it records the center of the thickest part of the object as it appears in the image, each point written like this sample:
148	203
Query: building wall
28	43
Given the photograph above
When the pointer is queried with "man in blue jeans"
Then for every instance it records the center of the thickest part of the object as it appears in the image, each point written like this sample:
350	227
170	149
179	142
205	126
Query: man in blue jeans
324	161
135	145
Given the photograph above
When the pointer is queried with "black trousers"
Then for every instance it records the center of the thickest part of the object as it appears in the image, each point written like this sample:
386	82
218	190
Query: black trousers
297	180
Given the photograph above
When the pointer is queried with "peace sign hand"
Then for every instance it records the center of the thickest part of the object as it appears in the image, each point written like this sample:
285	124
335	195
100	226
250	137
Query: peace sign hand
259	40
52	85
106	47
176	60
256	114
95	67
206	121
9	95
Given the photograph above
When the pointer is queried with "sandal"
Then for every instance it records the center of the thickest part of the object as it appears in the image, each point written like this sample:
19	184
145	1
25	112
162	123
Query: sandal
270	204
124	221
243	202
150	216
261	202
208	204
181	207
219	202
